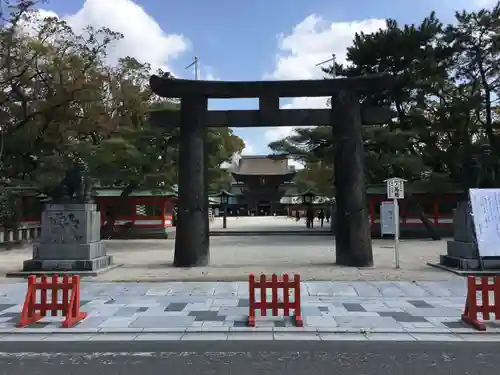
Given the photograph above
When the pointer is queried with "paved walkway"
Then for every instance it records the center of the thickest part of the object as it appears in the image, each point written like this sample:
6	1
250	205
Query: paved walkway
218	311
263	224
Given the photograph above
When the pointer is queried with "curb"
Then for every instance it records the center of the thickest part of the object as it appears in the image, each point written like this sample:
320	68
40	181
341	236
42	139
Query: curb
242	330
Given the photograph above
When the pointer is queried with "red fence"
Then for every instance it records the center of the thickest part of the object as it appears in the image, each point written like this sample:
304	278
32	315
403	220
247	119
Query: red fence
69	304
473	308
274	305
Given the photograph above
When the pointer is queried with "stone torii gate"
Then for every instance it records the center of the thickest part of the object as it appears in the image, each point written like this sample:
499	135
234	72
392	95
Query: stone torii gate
346	116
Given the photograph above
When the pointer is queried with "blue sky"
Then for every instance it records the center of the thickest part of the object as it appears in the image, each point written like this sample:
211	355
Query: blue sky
246	40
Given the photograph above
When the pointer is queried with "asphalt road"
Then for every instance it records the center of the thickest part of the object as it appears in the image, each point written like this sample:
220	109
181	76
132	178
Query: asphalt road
248	357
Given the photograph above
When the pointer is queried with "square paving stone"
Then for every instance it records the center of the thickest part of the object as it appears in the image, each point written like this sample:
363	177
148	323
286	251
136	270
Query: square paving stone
240	323
243	303
354	307
207	316
176	306
162	321
126	312
455	325
403	317
13	316
421	304
367	322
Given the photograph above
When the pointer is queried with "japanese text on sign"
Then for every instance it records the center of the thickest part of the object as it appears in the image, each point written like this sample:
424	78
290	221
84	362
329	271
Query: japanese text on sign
485	204
395	189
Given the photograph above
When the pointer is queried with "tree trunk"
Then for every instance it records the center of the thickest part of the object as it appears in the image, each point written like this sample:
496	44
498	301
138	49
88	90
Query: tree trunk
111	214
353	236
192	232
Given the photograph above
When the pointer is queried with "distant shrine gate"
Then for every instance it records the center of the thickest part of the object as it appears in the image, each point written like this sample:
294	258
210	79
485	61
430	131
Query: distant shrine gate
346	116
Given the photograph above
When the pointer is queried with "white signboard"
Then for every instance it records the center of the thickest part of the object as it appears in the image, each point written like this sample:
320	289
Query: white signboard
485	205
387	223
395	188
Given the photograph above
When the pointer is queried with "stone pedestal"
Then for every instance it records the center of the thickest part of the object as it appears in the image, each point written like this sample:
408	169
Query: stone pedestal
70	241
462	251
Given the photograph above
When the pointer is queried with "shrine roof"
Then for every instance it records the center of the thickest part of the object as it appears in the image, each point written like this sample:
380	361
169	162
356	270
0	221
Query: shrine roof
114	192
262	166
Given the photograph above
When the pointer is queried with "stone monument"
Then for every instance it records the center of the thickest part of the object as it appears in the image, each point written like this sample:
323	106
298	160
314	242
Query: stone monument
462	252
70	239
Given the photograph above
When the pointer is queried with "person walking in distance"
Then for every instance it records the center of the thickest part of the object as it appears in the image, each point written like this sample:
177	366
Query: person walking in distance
310	217
321	217
327	216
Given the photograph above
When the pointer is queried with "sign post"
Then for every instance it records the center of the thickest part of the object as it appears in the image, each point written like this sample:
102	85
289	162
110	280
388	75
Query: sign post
395	191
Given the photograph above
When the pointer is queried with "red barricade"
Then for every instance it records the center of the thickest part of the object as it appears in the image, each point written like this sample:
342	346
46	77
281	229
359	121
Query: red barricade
69	303
473	308
274	305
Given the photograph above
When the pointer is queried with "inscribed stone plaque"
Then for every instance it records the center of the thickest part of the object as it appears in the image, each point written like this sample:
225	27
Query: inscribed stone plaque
485	204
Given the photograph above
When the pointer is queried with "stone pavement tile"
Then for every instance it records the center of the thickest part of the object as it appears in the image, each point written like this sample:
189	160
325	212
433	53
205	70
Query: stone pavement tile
342	337
436	337
176	306
120	330
390	337
226	302
226	289
204	336
412	289
321	321
399	303
211	316
367	322
12	316
250	329
342	288
436	288
214	324
404	317
431	330
158	337
434	312
117	322
204	328
233	310
379	307
420	304
300	336
364	289
411	325
165	330
91	322
127	312
243	302
104	310
389	289
203	289
113	337
354	307
311	311
5	306
199	306
68	337
162	321
241	336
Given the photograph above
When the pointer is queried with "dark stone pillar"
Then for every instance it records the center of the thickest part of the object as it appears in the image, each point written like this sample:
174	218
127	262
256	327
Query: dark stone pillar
192	237
353	236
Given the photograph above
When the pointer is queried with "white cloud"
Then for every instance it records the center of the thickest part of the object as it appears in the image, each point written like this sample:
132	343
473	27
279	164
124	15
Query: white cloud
143	39
312	41
248	150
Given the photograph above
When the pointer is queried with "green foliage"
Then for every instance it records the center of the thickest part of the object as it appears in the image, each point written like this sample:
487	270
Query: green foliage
446	100
61	98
